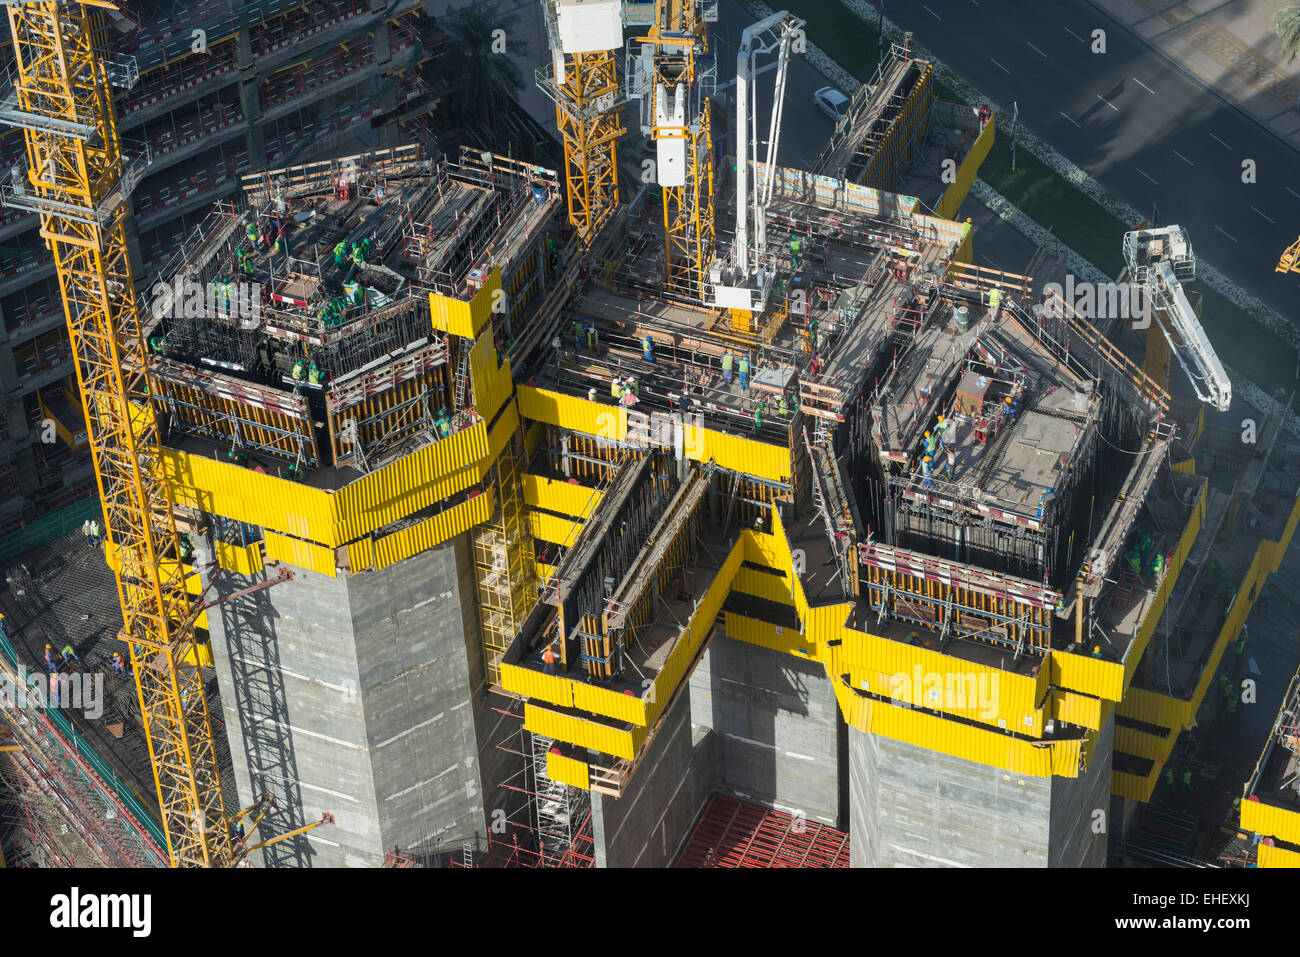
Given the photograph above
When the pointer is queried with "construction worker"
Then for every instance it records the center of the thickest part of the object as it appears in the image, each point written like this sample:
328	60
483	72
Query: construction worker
313	374
647	349
548	660
744	373
186	548
85	530
628	397
156	345
1096	651
727	361
281	244
49	659
615	388
951	470
250	231
636	389
577	334
443	423
593	337
758	414
1169	777
926	481
1187	780
119	664
1158	567
95	531
1239	646
358	253
995	300
783	407
796	249
758	521
1008	407
930	443
341	253
69	656
299	370
246	263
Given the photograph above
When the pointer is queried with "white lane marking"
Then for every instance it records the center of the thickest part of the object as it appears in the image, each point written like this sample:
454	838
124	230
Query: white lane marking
1145	87
1000	67
1182	157
1226	234
1108	102
1036	50
1075	35
1269	218
1219	141
1148	177
1071	120
1292	192
931	12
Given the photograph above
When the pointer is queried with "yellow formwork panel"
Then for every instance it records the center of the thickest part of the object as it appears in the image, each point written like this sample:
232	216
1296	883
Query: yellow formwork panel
568	771
610	704
244	559
531	684
1151	707
766	635
1277	856
556	495
552	528
386	495
775	588
1271	821
736	453
1087	675
300	554
1074	708
956	192
503	430
1143	744
466	318
577	415
361	555
619	742
1132	786
433	530
544	571
491	382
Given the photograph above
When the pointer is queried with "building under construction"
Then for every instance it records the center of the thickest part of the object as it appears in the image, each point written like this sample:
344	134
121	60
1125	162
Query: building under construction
521	531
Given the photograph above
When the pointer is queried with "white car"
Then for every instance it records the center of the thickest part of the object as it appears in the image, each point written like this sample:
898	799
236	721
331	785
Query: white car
831	102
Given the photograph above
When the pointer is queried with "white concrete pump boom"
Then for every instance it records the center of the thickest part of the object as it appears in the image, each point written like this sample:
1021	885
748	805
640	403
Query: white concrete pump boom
1161	260
771	33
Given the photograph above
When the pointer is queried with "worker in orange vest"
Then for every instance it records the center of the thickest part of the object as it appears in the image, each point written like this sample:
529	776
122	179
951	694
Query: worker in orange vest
548	659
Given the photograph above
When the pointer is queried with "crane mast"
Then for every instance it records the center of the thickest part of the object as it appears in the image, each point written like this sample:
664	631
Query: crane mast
79	183
671	79
585	37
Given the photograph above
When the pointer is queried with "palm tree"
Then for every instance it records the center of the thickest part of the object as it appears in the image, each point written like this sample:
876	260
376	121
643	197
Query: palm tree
481	77
1286	24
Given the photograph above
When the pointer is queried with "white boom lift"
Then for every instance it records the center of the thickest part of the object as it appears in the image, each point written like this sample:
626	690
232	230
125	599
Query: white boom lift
1160	261
743	280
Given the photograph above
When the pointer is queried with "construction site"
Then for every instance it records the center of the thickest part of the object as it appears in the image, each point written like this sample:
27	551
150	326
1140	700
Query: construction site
461	512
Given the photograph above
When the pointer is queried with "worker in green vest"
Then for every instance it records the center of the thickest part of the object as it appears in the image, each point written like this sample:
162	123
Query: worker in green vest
1169	777
593	337
796	249
1187	780
758	414
299	370
783	407
727	361
615	388
358	253
314	374
995	300
443	423
744	373
250	231
341	253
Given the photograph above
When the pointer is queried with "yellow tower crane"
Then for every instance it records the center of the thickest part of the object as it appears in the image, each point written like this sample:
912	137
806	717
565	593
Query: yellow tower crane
585	38
1290	261
676	109
79	183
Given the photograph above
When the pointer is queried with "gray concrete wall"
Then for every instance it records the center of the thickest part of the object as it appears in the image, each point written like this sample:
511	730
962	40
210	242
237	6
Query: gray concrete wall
1076	840
353	696
647	825
912	807
775	721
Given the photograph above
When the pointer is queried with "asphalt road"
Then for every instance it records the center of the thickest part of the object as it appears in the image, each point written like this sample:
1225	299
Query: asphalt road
804	128
1142	128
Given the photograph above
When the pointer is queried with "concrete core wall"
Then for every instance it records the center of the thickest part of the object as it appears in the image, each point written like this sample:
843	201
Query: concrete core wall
355	696
912	807
775	725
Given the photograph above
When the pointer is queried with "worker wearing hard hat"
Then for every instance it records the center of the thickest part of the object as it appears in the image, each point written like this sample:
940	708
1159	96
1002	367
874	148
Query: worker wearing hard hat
995	300
49	659
728	360
744	372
